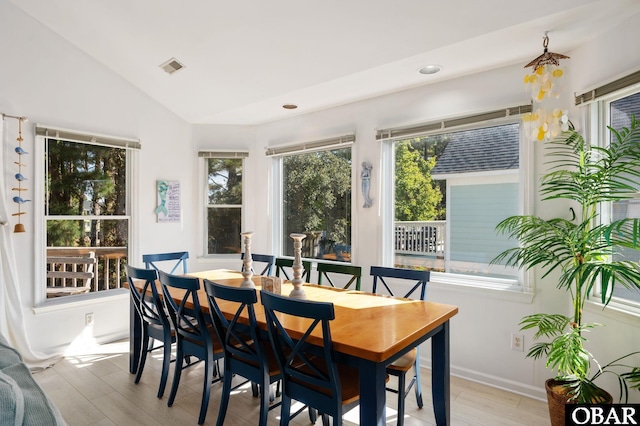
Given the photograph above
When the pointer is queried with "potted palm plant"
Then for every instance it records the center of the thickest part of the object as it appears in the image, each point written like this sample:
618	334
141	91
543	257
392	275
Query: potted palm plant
583	252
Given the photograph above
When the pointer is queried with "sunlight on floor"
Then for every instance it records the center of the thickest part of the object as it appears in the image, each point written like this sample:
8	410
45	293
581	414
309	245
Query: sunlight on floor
85	350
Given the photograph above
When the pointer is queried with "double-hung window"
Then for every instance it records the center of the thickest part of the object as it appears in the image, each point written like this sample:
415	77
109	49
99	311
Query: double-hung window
223	201
613	106
314	198
450	184
87	210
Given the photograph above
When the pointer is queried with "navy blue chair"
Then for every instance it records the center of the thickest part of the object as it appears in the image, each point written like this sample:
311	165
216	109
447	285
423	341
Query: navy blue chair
267	259
196	335
282	263
155	322
247	352
327	270
168	260
310	373
418	285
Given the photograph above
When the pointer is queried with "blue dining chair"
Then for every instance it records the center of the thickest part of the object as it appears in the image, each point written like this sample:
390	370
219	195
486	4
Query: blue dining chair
247	352
170	262
310	373
156	325
385	281
282	263
328	271
267	259
195	335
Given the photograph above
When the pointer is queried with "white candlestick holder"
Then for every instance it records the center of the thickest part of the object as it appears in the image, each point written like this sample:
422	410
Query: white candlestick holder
247	270
297	292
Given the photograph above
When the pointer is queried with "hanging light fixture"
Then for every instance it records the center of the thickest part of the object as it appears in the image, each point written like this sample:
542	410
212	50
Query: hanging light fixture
548	117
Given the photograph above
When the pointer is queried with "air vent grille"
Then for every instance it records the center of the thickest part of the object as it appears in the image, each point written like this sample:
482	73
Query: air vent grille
172	66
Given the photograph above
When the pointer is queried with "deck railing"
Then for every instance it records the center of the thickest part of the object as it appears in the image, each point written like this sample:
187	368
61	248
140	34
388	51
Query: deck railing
420	238
109	273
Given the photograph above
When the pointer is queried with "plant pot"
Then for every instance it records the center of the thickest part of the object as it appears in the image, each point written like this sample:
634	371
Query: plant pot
557	398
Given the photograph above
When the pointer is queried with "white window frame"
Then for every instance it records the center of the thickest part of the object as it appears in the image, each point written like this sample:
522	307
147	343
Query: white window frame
278	153
42	304
206	155
596	115
520	290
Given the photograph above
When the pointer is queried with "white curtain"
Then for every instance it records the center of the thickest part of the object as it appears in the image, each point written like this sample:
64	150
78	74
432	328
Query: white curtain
12	323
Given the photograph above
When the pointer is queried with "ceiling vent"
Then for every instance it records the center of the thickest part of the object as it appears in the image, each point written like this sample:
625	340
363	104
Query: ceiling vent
171	66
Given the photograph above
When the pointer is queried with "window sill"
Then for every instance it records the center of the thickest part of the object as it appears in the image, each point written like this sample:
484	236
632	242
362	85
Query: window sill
616	311
64	303
486	287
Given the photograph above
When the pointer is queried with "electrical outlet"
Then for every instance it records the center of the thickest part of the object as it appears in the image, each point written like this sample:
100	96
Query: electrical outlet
88	318
517	342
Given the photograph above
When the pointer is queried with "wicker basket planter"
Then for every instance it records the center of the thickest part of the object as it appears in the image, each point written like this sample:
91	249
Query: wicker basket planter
557	396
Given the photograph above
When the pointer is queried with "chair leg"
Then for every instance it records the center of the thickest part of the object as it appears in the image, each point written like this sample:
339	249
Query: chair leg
313	414
418	383
224	401
337	421
166	361
209	366
402	393
143	354
176	375
285	411
265	397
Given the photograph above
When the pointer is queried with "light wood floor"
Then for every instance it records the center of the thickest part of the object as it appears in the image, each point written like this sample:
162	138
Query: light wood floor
92	386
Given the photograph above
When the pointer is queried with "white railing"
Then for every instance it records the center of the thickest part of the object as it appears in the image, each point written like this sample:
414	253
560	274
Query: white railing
420	238
109	271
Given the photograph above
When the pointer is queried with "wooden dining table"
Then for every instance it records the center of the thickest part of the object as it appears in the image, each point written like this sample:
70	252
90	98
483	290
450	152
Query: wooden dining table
369	332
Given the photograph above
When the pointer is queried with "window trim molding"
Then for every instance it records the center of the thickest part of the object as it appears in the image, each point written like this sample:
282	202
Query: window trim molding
50	132
474	121
42	304
315	145
223	154
626	82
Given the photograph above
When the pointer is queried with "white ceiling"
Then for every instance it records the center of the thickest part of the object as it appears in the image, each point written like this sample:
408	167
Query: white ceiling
244	59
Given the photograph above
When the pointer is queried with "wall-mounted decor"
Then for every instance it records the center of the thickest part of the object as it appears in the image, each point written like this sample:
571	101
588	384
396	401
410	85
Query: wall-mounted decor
19	198
365	175
168	209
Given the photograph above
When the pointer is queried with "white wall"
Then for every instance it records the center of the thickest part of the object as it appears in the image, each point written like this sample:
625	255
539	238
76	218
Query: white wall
46	79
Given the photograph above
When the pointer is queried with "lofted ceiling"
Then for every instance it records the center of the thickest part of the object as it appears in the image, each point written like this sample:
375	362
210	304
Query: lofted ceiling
244	59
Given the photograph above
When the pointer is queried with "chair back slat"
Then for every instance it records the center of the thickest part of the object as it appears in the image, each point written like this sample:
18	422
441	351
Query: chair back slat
241	341
283	262
326	269
148	302
189	320
421	278
267	259
309	371
179	260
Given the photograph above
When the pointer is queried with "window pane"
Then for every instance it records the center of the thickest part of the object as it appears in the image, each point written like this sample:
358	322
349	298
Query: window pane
85	179
224	226
225	181
317	202
103	239
621	111
481	169
475	212
88	254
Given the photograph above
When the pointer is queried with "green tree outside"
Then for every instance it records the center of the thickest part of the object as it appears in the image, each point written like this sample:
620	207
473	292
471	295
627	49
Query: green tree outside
417	197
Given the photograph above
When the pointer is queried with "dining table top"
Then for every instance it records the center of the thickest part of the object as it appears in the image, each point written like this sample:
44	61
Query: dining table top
366	325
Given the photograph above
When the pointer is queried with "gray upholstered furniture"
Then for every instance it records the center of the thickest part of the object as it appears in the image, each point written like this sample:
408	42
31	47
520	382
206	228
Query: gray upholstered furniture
22	400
